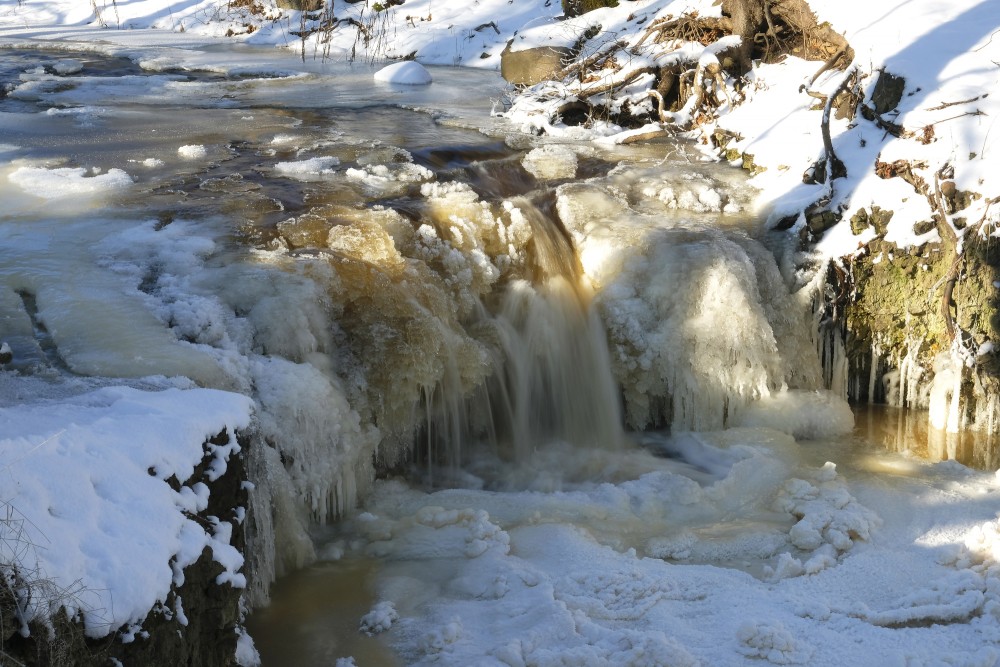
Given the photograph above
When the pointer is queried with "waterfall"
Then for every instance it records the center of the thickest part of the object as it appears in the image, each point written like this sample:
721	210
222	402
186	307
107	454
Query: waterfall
550	373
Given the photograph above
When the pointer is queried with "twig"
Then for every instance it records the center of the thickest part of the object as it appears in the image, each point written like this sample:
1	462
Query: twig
953	104
977	112
588	61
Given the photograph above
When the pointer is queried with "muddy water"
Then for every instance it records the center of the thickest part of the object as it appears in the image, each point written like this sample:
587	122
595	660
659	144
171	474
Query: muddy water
908	432
314	615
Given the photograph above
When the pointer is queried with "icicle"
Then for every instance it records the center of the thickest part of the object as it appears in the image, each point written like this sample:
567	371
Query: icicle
873	373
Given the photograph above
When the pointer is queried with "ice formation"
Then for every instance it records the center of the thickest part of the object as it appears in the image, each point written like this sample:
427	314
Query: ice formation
668	289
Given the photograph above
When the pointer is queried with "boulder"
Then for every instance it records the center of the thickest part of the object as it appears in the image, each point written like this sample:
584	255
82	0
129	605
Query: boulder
530	66
302	5
573	8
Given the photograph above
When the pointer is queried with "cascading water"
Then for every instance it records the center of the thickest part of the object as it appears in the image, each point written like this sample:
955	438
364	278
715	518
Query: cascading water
549	370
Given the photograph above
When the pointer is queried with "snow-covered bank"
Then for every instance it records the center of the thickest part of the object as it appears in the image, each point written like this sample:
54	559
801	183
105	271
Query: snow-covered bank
111	496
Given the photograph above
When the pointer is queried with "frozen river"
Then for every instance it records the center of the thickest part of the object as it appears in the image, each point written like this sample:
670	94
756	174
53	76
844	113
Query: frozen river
465	348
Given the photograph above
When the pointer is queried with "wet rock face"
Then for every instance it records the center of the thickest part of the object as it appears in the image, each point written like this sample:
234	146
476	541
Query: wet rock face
531	66
896	306
199	623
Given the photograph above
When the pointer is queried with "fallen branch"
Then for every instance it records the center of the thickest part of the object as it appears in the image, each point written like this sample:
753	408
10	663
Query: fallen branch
491	24
588	61
591	91
834	166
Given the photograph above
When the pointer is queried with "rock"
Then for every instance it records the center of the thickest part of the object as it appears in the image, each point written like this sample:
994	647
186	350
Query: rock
530	66
301	5
821	221
407	73
573	8
6	355
888	92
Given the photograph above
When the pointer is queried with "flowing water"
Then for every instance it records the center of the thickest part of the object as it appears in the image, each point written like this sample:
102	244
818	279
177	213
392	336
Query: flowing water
497	330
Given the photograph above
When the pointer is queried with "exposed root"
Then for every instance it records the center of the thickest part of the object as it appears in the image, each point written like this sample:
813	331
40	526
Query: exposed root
687	28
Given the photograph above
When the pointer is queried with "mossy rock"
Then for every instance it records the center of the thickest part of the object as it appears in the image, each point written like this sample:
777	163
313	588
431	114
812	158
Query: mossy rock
878	218
896	303
821	221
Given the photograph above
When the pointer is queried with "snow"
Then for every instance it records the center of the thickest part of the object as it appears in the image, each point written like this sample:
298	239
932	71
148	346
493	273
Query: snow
80	472
726	547
407	73
192	152
379	619
68	181
567	575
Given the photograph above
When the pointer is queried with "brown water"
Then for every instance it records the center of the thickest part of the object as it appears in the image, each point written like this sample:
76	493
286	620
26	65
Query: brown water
908	432
313	618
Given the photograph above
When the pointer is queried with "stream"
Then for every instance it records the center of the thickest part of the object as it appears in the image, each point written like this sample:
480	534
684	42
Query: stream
517	401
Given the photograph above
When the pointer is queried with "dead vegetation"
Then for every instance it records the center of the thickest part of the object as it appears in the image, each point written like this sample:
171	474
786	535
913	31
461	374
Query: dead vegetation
698	67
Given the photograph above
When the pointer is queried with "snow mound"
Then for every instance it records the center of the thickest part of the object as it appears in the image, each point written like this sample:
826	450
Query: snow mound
407	73
379	619
830	522
88	483
192	151
68	181
773	643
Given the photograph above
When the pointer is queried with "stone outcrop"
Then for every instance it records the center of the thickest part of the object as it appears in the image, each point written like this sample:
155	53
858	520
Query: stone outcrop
301	5
530	66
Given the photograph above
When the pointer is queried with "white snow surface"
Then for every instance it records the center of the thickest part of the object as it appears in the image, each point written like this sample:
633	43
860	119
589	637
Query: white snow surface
779	561
408	73
88	506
